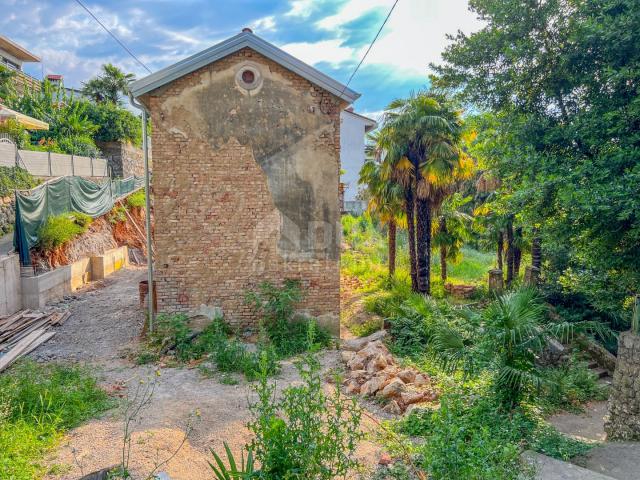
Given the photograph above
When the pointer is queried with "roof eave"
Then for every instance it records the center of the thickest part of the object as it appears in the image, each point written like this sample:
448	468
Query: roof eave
233	44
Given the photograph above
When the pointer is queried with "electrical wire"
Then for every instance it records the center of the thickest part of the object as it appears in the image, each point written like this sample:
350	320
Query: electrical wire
113	36
370	47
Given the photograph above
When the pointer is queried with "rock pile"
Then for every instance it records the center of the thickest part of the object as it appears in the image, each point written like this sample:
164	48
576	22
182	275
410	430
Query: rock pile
372	371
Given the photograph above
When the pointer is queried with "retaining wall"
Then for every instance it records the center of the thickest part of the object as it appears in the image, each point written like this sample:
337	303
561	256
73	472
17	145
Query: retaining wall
35	292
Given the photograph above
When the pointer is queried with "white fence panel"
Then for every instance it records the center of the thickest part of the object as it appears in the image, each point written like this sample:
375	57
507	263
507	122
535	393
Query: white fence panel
100	167
7	155
61	165
82	166
37	163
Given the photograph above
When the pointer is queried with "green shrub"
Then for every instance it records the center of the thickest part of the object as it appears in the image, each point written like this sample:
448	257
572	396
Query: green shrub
568	387
275	306
548	441
60	229
118	214
12	178
137	199
368	327
229	355
37	404
304	434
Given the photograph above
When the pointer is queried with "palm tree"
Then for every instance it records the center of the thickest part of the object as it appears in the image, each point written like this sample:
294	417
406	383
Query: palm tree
422	135
505	339
385	193
108	86
451	231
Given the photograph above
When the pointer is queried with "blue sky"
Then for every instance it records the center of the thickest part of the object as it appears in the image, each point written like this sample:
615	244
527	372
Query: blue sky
332	35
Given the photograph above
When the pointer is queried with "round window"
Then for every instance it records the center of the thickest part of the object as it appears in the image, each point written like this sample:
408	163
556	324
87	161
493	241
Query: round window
248	77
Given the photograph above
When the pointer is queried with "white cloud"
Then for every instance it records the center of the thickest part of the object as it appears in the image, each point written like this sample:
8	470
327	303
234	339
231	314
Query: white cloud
265	24
414	36
330	51
301	8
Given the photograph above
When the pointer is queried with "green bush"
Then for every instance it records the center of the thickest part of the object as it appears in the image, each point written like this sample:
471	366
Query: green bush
229	355
12	178
118	214
275	306
60	229
37	404
304	434
568	387
136	199
115	123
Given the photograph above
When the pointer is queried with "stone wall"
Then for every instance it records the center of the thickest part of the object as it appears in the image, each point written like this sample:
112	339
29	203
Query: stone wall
7	214
125	159
623	420
245	188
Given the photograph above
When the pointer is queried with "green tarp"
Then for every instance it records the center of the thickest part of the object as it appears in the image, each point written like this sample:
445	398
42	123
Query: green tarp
62	195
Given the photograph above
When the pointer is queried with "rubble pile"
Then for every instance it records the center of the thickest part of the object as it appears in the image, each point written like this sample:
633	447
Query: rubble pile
372	371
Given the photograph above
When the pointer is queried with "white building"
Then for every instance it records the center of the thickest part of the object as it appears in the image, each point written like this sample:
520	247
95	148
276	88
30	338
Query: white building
353	129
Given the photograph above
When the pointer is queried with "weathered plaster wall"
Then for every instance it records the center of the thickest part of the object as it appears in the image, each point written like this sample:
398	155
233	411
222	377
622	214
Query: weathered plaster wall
245	187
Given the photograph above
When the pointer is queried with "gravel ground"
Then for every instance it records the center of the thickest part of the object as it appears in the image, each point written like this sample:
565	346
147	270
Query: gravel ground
102	332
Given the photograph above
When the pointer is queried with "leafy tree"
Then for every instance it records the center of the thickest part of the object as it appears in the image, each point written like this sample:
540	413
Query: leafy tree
385	195
115	123
108	86
562	80
7	89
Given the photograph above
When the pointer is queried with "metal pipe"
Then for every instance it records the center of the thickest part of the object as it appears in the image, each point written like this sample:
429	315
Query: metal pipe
147	193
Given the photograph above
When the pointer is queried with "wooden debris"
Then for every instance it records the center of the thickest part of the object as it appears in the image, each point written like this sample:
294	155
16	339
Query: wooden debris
24	331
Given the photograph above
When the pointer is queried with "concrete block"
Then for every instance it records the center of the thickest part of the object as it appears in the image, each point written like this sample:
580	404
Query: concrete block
10	285
54	285
109	262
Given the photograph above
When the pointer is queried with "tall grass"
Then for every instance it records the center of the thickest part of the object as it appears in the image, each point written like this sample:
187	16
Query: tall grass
37	404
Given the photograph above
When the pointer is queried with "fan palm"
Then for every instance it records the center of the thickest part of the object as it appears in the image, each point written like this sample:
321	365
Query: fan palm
506	338
421	136
451	230
385	193
108	86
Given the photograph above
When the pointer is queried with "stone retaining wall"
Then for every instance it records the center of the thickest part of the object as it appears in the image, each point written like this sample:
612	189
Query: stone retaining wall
623	420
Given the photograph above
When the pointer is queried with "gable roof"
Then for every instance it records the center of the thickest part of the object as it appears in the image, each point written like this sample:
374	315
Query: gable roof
244	39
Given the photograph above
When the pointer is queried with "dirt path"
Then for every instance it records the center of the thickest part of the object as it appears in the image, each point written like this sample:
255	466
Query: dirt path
103	331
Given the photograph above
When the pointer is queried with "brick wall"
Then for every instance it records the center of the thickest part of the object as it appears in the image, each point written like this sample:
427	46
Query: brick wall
226	211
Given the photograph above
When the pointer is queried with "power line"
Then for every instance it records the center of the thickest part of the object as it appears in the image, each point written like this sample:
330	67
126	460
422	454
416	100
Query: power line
370	46
114	36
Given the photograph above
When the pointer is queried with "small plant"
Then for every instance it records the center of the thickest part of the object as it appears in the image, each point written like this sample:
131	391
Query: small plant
118	214
243	471
137	199
60	229
306	434
276	308
368	327
635	320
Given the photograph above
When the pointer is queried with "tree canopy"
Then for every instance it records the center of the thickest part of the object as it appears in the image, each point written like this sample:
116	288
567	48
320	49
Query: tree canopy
556	85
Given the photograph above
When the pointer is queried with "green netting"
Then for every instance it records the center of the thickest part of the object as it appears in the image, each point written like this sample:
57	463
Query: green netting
65	194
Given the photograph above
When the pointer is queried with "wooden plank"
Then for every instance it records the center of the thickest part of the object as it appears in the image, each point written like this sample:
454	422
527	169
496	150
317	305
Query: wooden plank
17	351
44	338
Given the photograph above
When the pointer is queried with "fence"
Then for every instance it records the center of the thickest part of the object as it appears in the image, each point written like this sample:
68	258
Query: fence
47	164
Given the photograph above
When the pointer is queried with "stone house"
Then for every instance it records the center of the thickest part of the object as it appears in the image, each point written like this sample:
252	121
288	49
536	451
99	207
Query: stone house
246	151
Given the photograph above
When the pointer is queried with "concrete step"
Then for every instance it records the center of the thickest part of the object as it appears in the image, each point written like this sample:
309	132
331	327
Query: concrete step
600	372
548	468
619	460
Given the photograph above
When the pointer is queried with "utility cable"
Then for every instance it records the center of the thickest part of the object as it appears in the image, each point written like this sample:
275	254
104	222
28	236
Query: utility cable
114	36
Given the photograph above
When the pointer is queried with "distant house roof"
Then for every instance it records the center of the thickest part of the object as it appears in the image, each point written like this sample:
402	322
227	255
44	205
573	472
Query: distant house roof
244	39
17	51
369	123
